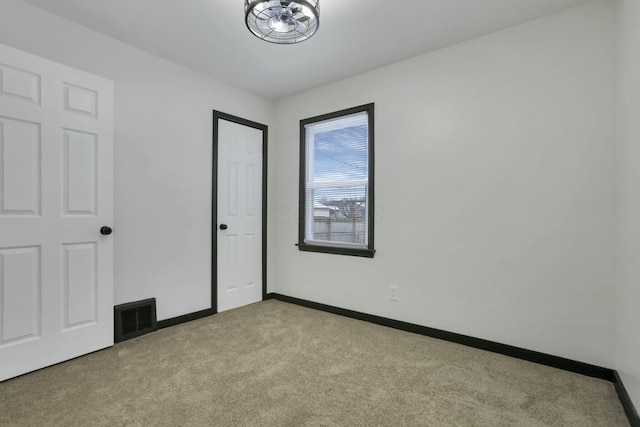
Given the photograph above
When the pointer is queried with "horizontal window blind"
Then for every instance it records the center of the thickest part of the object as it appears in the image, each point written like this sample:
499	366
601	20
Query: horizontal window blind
336	182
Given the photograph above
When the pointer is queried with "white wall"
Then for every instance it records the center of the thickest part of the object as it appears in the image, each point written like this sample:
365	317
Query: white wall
494	189
628	291
163	155
495	181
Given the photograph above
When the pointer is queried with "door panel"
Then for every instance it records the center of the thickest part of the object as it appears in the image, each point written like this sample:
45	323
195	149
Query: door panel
20	83
80	100
80	174
80	283
240	156
20	294
56	191
20	148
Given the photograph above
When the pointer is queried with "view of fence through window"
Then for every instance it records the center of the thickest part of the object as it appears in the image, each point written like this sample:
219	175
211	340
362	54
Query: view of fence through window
337	180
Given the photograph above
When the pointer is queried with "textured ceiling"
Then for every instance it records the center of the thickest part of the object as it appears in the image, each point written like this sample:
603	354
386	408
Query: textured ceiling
354	36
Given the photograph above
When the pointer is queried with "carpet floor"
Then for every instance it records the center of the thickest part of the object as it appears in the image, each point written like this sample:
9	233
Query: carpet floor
277	364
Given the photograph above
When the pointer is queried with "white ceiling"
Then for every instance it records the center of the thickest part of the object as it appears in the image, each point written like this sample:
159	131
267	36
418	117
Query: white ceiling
354	36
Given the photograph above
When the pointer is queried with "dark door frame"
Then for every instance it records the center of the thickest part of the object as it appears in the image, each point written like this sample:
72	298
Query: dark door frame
218	115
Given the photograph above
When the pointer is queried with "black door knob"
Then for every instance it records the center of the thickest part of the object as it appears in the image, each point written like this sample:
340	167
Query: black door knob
106	230
223	226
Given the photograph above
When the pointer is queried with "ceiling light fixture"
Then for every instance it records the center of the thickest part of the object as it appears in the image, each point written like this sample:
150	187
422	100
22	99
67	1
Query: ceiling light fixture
281	21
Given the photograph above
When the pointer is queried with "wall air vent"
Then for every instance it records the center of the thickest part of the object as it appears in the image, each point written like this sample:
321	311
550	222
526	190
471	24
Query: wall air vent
134	319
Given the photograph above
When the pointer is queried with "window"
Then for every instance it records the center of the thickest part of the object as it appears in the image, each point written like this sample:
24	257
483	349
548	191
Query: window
336	183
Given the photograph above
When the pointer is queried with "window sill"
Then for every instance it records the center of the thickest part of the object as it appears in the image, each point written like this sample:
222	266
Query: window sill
366	253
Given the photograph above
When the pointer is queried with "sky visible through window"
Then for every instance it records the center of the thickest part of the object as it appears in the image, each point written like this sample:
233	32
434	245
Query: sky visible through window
341	156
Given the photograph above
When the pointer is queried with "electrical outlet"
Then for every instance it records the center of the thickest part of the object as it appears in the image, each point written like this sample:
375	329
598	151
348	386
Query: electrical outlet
393	293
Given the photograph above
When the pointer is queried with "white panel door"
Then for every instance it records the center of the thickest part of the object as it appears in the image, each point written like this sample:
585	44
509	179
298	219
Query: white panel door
56	192
239	215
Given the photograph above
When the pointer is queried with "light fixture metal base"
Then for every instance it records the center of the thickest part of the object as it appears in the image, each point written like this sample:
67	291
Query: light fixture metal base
282	21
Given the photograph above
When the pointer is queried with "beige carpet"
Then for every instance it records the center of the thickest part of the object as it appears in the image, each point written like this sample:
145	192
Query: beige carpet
277	364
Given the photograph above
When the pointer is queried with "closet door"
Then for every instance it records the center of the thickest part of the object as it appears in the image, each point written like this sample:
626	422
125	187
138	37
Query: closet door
56	194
